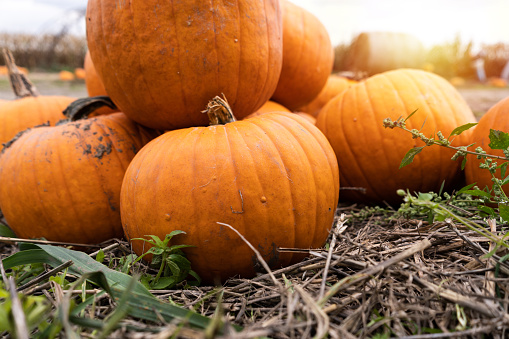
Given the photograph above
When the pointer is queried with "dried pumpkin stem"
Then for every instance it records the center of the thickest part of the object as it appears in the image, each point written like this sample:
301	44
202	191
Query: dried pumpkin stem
219	111
20	84
81	108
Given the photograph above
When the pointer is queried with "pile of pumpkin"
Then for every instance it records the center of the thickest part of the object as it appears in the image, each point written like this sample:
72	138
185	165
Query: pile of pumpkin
173	155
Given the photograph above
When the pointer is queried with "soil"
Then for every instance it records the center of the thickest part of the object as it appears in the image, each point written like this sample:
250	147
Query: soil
478	96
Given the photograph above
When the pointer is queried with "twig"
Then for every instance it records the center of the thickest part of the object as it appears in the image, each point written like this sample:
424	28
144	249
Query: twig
462	300
48	274
373	270
106	249
339	226
457	334
258	255
45	242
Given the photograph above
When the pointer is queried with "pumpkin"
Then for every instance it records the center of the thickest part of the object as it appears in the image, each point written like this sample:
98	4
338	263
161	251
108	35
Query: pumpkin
497	82
270	106
369	155
334	85
20	114
274	178
30	109
307	57
80	73
66	76
161	61
497	118
94	84
63	182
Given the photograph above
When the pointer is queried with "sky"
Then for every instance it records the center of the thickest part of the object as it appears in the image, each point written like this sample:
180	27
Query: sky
432	21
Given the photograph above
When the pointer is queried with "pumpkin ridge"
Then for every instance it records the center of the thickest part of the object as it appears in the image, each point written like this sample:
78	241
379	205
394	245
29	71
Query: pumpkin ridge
70	201
267	73
258	123
43	211
439	94
311	172
104	47
353	158
411	81
379	132
240	41
147	89
226	129
333	163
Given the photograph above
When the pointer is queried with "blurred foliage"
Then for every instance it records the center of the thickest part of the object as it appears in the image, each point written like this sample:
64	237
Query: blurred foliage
45	52
450	59
64	51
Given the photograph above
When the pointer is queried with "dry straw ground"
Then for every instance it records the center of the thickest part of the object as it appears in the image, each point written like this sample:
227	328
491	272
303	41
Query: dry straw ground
382	276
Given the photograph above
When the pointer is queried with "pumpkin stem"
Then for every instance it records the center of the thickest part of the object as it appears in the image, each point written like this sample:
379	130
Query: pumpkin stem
20	84
219	111
81	108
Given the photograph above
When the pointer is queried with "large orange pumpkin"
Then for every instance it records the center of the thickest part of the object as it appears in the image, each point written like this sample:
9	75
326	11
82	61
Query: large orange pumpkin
161	61
334	85
497	118
63	183
274	178
369	155
307	57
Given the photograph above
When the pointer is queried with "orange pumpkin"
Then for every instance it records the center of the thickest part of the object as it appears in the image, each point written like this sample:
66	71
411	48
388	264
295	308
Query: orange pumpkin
270	106
29	109
307	57
66	76
497	118
307	116
20	114
334	85
80	73
63	183
369	155
161	61
274	178
94	85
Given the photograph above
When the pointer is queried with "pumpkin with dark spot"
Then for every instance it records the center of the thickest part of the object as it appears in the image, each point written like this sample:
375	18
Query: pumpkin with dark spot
63	183
274	178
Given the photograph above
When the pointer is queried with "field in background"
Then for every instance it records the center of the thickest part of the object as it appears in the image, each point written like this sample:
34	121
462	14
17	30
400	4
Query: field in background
46	55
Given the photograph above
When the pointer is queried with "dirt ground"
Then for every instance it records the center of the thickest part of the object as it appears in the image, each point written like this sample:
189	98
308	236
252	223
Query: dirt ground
479	97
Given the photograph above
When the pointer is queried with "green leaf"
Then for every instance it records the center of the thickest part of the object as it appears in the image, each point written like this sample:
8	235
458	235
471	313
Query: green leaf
503	168
460	129
164	282
478	193
503	209
409	157
5	231
463	163
408	117
425	196
141	303
100	256
498	139
488	210
466	188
